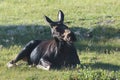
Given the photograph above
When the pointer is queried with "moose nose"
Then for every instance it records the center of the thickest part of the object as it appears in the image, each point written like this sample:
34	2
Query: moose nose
67	31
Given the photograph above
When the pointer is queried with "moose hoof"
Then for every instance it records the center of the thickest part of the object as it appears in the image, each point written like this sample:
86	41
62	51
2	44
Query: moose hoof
42	67
9	65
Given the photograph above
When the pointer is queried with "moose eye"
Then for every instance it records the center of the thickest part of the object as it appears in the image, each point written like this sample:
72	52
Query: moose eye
59	29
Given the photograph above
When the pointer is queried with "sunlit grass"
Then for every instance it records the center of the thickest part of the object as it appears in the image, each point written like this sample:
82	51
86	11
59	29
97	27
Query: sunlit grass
83	13
92	65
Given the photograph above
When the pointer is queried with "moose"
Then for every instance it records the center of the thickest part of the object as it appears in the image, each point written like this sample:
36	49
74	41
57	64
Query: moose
55	53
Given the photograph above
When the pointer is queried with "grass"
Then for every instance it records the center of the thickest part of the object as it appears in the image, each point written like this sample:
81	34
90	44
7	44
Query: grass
22	21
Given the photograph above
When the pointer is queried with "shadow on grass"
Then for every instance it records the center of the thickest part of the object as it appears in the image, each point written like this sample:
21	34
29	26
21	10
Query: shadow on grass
22	34
103	66
88	39
106	66
102	39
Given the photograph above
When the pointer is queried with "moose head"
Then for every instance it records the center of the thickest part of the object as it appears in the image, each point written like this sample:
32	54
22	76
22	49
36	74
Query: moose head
59	30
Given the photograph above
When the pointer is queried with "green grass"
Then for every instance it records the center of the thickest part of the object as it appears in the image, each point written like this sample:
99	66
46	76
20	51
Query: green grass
23	20
93	66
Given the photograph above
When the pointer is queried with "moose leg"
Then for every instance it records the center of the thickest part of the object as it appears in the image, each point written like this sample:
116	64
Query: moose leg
25	53
43	64
72	59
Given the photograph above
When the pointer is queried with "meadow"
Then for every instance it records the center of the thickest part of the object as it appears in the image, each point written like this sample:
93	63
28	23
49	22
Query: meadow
96	24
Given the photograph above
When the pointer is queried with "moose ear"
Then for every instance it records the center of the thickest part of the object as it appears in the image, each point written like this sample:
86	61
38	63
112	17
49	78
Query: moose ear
48	20
61	16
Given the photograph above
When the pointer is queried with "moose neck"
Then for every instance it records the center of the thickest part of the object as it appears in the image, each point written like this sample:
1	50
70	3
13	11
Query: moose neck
59	41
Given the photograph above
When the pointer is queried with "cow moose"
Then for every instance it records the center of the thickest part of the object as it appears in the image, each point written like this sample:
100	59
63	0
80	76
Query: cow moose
55	53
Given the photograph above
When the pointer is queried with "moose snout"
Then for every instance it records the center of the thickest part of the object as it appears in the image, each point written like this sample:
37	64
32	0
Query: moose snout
66	35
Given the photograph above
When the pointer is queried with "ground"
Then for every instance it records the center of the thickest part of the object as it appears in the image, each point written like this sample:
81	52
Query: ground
96	24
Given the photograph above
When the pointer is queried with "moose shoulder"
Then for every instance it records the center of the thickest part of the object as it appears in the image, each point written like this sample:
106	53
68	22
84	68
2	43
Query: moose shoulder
55	53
